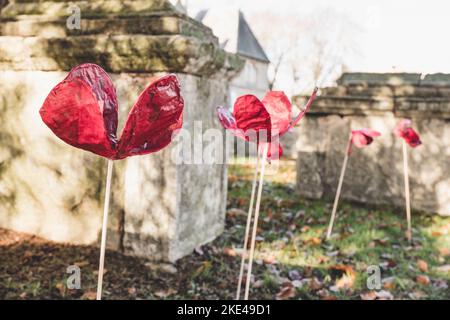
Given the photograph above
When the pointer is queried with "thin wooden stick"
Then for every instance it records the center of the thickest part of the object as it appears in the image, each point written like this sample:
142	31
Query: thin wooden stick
104	230
338	192
407	195
247	227
255	221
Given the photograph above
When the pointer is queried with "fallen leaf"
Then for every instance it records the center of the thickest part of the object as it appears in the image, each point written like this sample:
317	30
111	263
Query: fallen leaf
165	293
418	294
382	242
314	241
233	212
440	284
315	284
258	284
206	265
322	259
229	252
61	288
329	298
294	275
286	292
89	295
82	263
443	269
269	260
305	228
422	265
388	283
445	252
384	295
423	280
371	295
346	281
105	271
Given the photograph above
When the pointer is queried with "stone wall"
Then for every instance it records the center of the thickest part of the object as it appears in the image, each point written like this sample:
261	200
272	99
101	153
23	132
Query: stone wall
159	210
375	174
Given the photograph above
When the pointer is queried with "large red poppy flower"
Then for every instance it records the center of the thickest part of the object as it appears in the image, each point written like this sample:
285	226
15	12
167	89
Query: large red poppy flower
361	138
405	131
82	111
268	119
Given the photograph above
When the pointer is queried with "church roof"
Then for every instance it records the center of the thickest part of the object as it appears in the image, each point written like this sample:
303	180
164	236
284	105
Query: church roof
234	32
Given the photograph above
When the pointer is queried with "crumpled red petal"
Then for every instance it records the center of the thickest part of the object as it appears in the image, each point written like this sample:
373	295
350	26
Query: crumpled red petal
405	131
363	137
279	108
105	92
154	119
228	122
272	115
82	110
250	114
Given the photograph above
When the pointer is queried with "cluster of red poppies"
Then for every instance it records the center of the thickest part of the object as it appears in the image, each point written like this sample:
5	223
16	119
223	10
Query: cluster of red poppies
267	120
82	110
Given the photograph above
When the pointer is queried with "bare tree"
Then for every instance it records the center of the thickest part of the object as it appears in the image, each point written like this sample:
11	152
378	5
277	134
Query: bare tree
313	49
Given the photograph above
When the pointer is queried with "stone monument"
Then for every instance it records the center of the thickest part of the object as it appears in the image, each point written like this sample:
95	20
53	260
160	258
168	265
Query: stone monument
374	175
159	210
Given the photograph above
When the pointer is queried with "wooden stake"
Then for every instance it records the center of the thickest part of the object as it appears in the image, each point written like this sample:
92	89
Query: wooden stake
247	227
104	230
407	195
338	192
255	222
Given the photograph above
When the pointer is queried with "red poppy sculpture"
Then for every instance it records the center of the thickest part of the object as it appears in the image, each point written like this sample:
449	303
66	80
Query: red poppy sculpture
410	137
360	139
82	110
262	122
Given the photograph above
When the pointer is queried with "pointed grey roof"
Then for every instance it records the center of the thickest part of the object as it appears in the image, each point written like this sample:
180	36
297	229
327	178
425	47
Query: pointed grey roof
201	15
247	43
234	32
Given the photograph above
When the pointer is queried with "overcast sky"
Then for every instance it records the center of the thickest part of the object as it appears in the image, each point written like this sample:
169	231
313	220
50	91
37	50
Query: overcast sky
410	36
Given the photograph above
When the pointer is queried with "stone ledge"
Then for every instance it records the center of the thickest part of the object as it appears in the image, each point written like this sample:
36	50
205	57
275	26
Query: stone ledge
52	9
347	105
136	53
147	25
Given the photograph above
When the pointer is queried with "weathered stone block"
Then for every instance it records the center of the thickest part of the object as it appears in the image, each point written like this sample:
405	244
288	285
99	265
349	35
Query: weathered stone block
375	174
159	209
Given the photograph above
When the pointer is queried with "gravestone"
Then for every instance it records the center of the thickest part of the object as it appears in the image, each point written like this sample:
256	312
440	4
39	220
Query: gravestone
159	209
375	174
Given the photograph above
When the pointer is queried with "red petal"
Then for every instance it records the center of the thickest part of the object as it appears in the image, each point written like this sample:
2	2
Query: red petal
411	137
229	122
370	133
250	114
103	89
363	137
74	114
279	108
404	130
156	116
